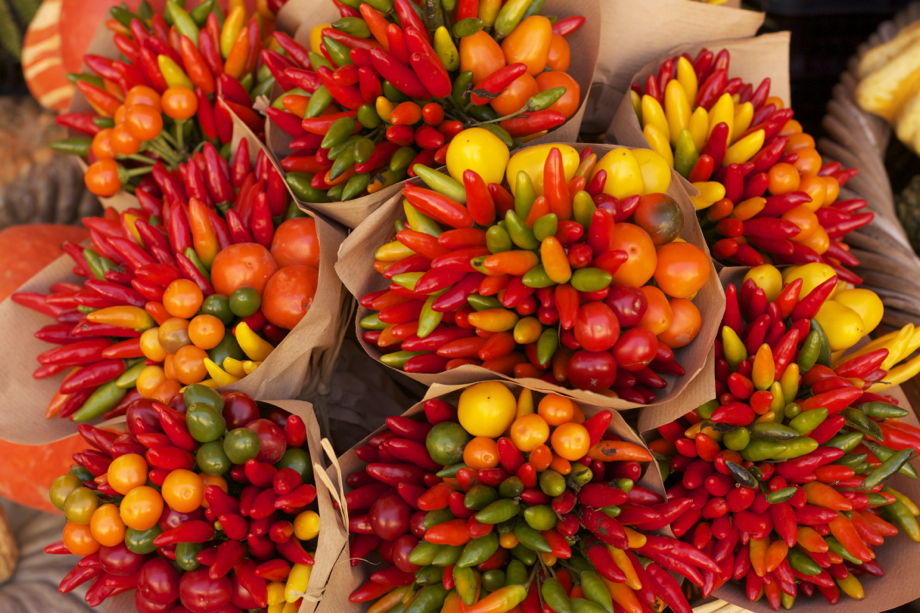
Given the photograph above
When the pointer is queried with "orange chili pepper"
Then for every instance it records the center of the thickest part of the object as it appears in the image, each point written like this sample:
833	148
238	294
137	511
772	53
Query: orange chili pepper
204	239
538	209
235	63
492	285
505	364
810	540
610	451
515	263
776	553
845	532
555	261
823	495
758	552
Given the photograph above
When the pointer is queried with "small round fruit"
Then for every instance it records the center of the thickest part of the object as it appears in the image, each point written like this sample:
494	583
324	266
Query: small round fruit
843	326
571	441
660	216
529	431
486	409
865	302
127	472
245	301
295	242
183	490
141	508
768	278
289	295
242	265
445	442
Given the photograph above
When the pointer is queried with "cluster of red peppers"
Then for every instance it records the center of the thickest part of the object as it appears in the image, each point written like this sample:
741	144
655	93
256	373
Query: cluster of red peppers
764	192
556	291
125	333
183	77
505	530
784	472
200	508
389	85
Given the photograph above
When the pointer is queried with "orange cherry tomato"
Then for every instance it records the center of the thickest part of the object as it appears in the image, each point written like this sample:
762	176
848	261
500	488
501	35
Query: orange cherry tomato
150	345
106	526
480	54
173	334
783	178
833	190
141	508
556	409
141	94
148	381
180	102
79	539
119	117
183	490
568	103
809	162
804	218
658	316
642	260
578	416
289	294
127	472
685	325
189	364
819	240
571	441
529	44
102	179
102	145
798	141
528	431
169	367
242	265
816	187
206	331
792	127
143	122
123	141
541	457
166	391
682	269
515	95
182	298
295	242
481	452
560	56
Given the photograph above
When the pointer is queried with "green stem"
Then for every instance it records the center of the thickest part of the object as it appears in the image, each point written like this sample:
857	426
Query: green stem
136	172
180	134
143	159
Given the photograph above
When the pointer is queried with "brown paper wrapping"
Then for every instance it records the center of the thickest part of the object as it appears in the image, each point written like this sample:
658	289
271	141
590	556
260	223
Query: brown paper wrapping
355	267
346	578
298	17
633	33
752	59
301	365
332	537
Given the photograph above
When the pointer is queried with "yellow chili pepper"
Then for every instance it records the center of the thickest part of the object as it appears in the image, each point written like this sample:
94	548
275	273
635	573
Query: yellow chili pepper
586	167
676	109
778	405
555	261
658	142
735	351
686	76
275	593
625	564
488	11
789	381
290	607
389	600
232	27
744	149
276	608
623	595
207	383
235	63
173	74
699	127
767	418
911	505
851	587
653	114
251	343
492	320
297	582
445	48
723	111
764	369
250	367
636	539
636	101
130	221
392	252
896	347
527	330
234	367
219	374
384	108
124	316
525	403
748	208
897	375
710	192
744	114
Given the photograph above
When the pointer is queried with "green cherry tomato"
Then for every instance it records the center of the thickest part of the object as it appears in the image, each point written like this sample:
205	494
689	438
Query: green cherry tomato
186	555
241	444
445	442
82	473
228	347
211	458
61	488
245	301
203	394
299	460
80	505
218	305
204	422
141	541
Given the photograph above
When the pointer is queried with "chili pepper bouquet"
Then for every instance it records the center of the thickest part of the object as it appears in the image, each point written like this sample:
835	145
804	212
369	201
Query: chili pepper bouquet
764	193
492	497
787	469
209	508
555	264
201	282
373	88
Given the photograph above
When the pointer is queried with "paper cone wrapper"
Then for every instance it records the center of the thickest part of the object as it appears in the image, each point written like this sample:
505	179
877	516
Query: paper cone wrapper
356	269
300	365
332	538
752	59
298	17
346	578
634	33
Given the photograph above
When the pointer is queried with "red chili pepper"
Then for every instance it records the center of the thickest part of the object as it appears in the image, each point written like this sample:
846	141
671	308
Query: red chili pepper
715	147
532	122
703	168
192	531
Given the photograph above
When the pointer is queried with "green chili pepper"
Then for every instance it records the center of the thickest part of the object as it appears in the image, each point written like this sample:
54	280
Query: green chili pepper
882	410
773	432
824	355
352	25
103	399
441	183
384	6
364	149
781	495
545	226
368	116
545	99
402	158
104	122
899	514
478	550
848	441
554	595
758	451
200	13
583	208
530	538
92	79
429	575
124	17
524	194
76	145
852	461
342	163
392	93
552	483
497	240
884	453
877	500
428	600
591	279
741	475
317	59
145	11
802	563
398	359
500	132
141	541
467	27
685	154
501	510
596	591
811	349
516	573
129	377
547	345
185	25
424	553
737	439
451	471
319	102
300	184
540	517
465	582
483	303
339	53
196	262
840	550
482	113
98	264
793	410
887	468
338	132
521	234
460	90
860	421
706	410
808	421
509	17
580	475
493	580
187	555
796	447
356	185
264	88
479	497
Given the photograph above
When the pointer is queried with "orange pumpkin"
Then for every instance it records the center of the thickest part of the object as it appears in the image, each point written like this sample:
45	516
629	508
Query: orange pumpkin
26	471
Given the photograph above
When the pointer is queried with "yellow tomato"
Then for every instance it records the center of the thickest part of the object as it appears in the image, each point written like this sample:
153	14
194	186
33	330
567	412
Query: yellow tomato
486	409
183	490
866	303
624	176
316	37
528	431
812	275
768	278
141	508
656	173
127	472
306	526
531	161
843	326
480	150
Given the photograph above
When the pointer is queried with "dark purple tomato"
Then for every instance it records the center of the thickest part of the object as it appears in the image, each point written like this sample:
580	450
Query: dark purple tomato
627	303
402	547
201	594
272	443
635	349
274	414
592	370
178	403
173	519
239	409
660	216
145	606
120	561
158	581
390	517
596	327
141	413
